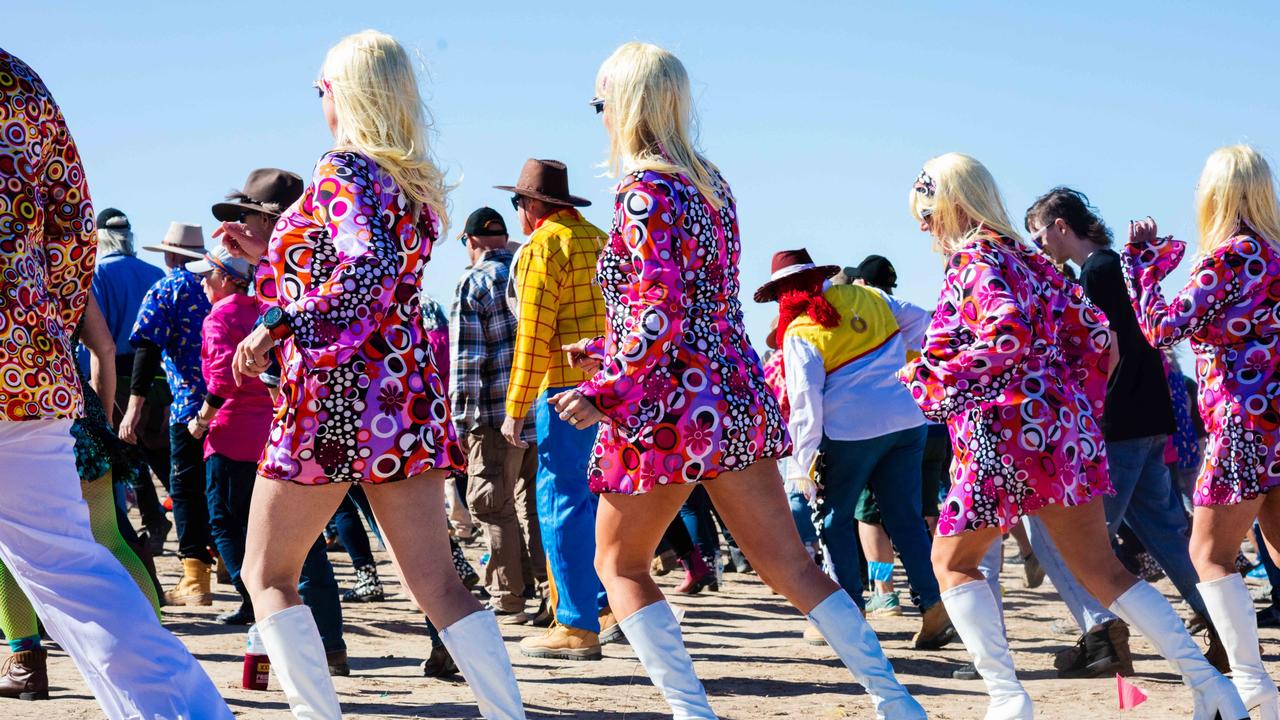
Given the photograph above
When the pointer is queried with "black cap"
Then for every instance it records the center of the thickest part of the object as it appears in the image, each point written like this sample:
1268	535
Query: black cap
485	222
877	272
113	219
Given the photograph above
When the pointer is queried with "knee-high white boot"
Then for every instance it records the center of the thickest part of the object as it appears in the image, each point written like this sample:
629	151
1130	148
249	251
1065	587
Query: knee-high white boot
654	634
857	645
475	642
1144	608
298	659
1231	610
976	617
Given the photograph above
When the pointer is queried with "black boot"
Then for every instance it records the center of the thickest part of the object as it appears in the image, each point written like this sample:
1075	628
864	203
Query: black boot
440	664
1101	652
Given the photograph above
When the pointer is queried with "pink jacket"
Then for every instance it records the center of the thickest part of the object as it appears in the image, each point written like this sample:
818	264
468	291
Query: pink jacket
239	430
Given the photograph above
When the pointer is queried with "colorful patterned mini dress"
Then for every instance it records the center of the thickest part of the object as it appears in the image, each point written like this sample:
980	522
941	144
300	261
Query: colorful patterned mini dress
361	399
1015	363
682	390
1230	311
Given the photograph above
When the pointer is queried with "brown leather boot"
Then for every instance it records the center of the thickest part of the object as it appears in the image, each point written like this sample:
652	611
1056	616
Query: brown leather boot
193	588
24	676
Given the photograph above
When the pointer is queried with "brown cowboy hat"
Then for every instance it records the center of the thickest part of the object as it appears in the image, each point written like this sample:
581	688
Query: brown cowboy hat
267	190
790	263
181	239
545	180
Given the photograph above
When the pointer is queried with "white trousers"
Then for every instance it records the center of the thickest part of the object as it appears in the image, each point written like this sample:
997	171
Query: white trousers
87	601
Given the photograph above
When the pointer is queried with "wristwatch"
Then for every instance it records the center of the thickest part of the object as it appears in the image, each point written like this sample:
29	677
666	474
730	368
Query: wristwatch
277	324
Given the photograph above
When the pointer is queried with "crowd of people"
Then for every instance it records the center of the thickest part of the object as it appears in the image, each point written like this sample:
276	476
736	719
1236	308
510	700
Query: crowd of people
591	408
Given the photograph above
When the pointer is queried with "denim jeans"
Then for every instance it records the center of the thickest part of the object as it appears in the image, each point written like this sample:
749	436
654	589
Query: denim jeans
187	488
802	514
230	489
567	517
701	524
890	465
351	530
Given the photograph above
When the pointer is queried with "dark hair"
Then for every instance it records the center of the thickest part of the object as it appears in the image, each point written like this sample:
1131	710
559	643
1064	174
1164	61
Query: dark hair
1073	208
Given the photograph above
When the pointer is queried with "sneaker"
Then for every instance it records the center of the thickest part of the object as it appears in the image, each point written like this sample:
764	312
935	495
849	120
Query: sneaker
884	605
1032	571
439	664
562	642
509	617
368	587
935	628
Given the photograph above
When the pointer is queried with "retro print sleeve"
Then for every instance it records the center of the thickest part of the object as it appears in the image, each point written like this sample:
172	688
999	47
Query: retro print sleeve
70	248
632	387
332	320
1212	287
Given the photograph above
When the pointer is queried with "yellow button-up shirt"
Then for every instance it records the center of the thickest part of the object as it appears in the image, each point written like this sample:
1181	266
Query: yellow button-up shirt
559	303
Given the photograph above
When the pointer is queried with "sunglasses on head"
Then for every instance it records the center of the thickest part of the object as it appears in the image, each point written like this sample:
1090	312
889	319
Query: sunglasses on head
598	104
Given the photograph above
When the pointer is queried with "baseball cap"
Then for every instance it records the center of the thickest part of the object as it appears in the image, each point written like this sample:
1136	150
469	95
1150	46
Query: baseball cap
113	219
220	258
877	272
485	222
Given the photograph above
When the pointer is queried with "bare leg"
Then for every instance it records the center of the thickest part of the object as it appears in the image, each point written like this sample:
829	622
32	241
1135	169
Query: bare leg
1081	535
418	541
284	521
628	530
1218	530
956	557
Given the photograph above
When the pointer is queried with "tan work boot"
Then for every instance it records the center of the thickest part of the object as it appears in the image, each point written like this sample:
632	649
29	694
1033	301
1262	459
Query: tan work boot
935	628
562	642
24	675
610	630
193	588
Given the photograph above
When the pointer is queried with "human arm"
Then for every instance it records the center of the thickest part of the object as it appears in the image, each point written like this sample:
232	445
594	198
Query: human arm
1148	259
912	320
332	320
97	339
977	338
538	278
806	379
631	389
70	248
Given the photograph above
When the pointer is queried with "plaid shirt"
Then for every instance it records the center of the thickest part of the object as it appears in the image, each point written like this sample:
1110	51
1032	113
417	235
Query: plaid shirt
482	339
560	304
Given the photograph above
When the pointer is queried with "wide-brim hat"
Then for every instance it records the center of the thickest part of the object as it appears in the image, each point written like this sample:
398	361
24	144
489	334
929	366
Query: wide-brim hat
220	258
267	190
181	239
787	264
545	180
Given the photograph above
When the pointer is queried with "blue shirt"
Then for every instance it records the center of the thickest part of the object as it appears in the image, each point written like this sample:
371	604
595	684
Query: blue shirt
171	316
119	284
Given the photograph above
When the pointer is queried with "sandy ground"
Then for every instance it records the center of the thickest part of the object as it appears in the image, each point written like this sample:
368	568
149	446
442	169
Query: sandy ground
745	641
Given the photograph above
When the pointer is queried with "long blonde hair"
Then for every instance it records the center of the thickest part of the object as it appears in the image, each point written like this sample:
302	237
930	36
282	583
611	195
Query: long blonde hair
1236	186
961	198
381	114
646	93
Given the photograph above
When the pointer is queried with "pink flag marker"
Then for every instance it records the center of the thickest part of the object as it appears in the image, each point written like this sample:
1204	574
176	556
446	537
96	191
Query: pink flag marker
1131	696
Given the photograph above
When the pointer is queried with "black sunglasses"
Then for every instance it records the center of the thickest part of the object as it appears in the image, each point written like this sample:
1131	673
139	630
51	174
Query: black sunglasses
319	89
598	104
515	203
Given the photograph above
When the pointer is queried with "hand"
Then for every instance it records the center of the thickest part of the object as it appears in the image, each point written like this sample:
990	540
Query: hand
576	409
511	429
1142	232
250	359
241	241
131	421
580	359
197	428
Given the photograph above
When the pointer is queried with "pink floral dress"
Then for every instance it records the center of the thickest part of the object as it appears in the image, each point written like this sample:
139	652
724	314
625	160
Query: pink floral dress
361	399
1015	363
682	390
1230	311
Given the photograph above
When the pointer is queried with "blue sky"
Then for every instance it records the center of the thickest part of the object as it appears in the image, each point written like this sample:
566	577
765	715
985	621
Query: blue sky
819	113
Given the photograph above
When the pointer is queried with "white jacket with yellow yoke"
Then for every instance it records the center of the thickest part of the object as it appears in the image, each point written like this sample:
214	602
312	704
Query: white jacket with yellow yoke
842	381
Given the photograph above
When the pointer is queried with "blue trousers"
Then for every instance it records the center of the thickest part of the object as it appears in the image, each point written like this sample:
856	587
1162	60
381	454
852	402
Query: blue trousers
230	488
891	466
567	517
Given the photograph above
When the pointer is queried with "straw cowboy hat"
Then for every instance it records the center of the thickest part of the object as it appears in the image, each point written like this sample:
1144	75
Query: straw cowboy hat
789	263
545	180
182	239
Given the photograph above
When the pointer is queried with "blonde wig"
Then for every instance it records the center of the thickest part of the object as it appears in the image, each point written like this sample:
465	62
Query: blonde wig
645	90
1236	186
381	114
960	198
